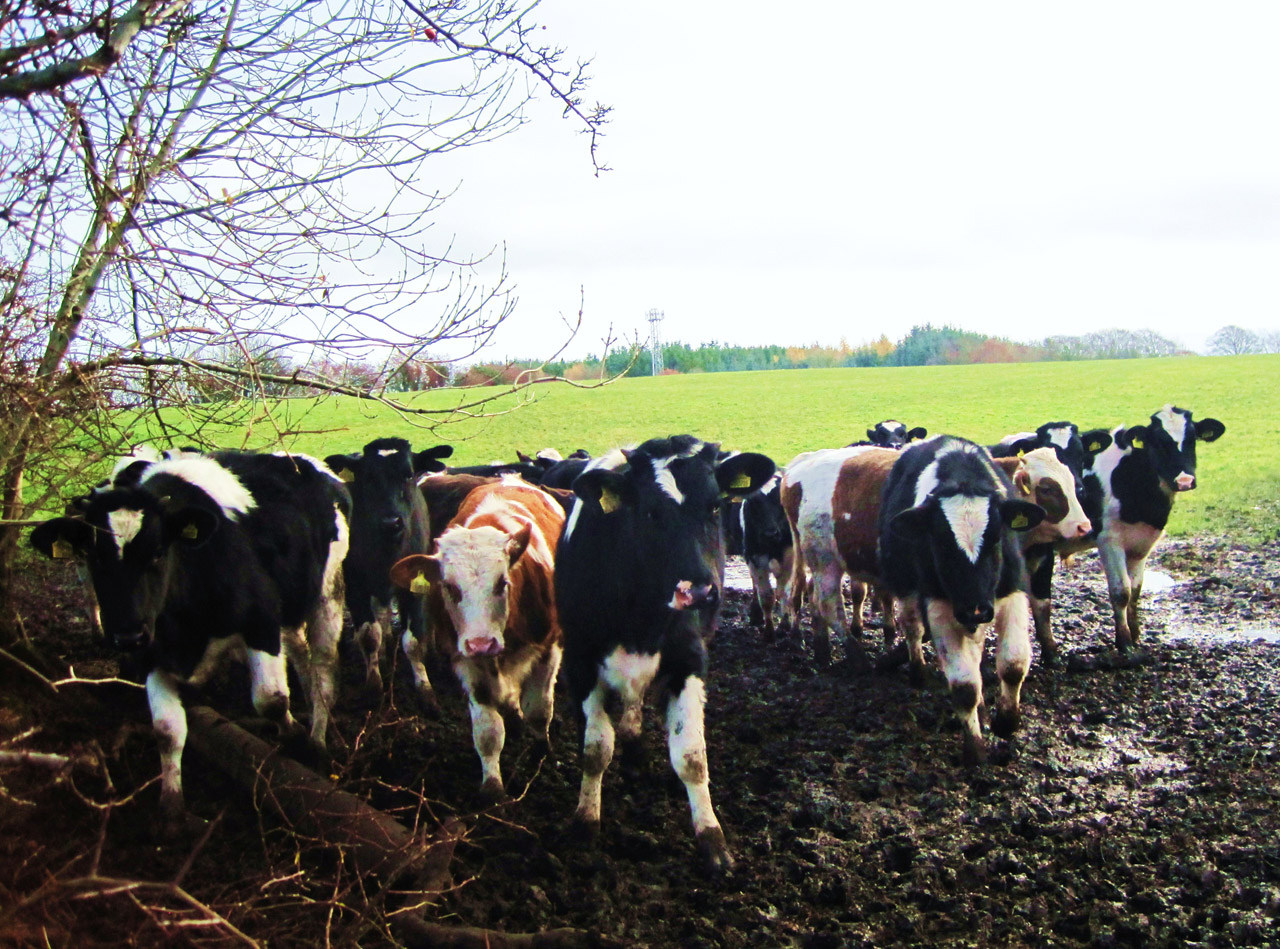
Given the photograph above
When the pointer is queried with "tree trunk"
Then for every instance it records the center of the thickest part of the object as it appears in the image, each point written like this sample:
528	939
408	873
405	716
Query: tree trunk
11	509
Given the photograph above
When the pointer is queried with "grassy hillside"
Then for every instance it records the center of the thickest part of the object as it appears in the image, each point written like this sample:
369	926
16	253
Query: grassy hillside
783	413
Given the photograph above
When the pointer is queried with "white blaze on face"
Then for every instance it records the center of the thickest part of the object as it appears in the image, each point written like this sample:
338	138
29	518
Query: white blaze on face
968	518
1060	436
125	524
473	560
1175	423
388	452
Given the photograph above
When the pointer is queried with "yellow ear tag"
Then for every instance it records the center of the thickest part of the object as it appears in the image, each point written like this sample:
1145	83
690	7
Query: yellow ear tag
420	585
191	532
741	481
1019	523
61	550
1138	443
347	475
1094	447
609	502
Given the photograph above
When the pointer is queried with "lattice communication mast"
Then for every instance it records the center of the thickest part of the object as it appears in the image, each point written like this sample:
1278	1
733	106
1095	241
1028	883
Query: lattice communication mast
655	340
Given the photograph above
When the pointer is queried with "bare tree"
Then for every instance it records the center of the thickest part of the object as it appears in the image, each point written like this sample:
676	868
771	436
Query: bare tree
1234	341
1269	342
202	177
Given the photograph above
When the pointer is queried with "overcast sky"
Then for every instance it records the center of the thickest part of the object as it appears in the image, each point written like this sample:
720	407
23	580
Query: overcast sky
801	173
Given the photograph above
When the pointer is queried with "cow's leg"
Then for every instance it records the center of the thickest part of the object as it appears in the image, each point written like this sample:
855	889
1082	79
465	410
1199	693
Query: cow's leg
489	733
170	721
1119	590
781	570
913	636
413	649
687	744
597	752
269	681
960	655
857	599
1137	568
829	617
1013	659
795	585
1042	607
889	632
537	698
324	629
759	577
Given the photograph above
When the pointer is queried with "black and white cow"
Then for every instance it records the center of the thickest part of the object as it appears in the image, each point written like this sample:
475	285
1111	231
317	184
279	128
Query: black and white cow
946	554
209	555
767	549
1139	475
892	434
638	577
562	473
389	521
1076	451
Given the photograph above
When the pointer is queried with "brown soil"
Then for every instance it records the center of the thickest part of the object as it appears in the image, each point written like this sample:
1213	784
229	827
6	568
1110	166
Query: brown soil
1139	805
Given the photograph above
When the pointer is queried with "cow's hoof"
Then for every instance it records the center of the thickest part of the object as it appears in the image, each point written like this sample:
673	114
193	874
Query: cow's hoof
974	752
582	831
492	793
917	675
755	615
1050	658
1006	721
716	859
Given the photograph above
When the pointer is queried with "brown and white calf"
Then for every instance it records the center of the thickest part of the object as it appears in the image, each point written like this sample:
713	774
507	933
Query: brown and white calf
490	600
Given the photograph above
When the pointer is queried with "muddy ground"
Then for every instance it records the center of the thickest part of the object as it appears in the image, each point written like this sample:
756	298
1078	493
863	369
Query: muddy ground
1139	805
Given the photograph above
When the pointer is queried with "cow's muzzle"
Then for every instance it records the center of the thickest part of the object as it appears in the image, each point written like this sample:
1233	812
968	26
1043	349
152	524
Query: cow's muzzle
1185	482
690	597
482	646
972	617
131	639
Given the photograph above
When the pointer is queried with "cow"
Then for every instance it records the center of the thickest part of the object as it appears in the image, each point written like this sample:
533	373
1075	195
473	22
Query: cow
638	579
389	521
212	554
767	549
489	592
947	556
531	473
1139	475
1076	451
891	434
562	473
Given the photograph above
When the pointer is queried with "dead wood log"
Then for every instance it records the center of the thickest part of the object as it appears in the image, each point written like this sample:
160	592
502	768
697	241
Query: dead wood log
417	933
378	844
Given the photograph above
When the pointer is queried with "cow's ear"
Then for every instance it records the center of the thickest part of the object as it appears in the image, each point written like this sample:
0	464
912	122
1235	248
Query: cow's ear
743	473
605	488
562	496
429	459
190	526
1024	445
871	434
1021	515
1099	439
910	523
518	543
1209	430
1022	480
60	537
917	433
523	458
344	466
416	573
1133	437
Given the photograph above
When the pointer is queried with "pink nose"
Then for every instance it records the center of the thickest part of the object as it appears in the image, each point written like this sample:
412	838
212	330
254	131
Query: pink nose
1084	529
1186	482
687	595
483	646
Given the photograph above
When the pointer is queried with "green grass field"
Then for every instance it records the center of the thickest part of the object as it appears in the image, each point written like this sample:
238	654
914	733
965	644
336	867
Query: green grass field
784	413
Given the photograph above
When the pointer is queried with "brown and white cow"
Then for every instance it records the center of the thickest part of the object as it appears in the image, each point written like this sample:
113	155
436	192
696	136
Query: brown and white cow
491	604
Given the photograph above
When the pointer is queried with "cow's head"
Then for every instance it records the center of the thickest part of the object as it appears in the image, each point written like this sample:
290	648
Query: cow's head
472	568
384	490
1073	449
1042	477
894	434
129	539
663	498
960	515
766	514
1169	443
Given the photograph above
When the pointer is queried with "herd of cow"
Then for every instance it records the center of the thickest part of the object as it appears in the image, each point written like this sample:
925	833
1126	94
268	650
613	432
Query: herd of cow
611	567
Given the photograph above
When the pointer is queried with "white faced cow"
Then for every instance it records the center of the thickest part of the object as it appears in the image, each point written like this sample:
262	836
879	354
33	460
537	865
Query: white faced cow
947	553
492	610
1145	468
638	580
206	555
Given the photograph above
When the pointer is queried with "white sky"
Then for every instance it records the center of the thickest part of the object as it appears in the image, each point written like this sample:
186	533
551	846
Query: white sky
792	174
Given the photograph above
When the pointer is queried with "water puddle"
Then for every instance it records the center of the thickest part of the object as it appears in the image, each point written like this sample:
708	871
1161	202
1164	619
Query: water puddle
1221	637
736	574
1155	582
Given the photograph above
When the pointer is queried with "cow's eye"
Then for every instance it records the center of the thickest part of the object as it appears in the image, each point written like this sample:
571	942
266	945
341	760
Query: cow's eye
713	511
454	591
500	586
